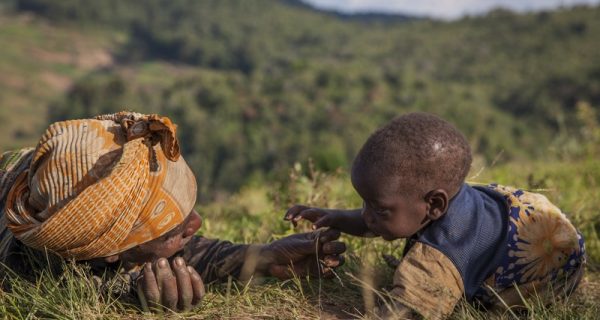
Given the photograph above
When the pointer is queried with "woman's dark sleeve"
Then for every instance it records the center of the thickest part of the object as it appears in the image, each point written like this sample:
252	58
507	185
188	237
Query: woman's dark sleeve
216	260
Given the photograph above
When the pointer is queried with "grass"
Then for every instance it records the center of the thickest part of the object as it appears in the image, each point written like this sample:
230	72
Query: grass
38	62
255	215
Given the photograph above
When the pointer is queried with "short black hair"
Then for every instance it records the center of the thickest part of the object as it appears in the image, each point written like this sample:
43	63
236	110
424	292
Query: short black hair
419	150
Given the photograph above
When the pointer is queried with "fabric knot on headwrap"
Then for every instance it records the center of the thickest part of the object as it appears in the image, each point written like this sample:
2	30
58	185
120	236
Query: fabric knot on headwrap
98	187
156	128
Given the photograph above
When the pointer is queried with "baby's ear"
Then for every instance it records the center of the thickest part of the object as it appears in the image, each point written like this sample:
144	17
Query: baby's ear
437	203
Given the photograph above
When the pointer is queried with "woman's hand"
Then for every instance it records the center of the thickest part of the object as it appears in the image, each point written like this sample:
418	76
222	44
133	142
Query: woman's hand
175	287
315	253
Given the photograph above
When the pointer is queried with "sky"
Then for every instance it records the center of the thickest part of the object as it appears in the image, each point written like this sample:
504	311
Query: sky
444	9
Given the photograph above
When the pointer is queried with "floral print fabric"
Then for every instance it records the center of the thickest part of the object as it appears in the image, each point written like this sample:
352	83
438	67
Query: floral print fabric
544	249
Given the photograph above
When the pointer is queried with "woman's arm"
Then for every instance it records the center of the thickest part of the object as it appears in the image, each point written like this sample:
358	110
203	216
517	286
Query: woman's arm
217	260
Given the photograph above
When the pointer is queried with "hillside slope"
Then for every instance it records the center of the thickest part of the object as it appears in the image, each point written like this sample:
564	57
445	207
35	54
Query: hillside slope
257	85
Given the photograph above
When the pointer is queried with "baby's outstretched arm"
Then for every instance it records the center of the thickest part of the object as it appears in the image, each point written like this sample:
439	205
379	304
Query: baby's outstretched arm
347	221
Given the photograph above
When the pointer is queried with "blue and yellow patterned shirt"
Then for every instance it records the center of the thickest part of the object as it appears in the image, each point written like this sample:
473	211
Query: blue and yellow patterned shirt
490	239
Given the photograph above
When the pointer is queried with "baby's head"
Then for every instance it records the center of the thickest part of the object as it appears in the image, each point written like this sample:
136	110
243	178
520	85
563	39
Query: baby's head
408	171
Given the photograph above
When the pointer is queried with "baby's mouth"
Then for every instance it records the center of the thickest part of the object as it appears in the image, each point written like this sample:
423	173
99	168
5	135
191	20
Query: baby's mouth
388	237
373	228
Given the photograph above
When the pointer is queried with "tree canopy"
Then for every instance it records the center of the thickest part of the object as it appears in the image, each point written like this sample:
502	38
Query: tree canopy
258	84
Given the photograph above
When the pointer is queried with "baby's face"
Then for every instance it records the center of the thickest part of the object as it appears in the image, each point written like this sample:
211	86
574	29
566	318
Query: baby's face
387	212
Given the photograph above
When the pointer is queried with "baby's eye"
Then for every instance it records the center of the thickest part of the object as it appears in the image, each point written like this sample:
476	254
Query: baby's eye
382	212
376	210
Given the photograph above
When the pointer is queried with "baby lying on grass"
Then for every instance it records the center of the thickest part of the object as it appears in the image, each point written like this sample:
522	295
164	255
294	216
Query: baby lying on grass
493	245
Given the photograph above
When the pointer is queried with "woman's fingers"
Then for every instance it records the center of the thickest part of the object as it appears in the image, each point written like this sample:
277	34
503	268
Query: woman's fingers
333	261
327	273
329	235
149	288
185	293
280	271
175	286
334	247
197	286
316	252
167	284
284	271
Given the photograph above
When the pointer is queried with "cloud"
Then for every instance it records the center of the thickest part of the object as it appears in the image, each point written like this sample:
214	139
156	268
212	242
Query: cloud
446	9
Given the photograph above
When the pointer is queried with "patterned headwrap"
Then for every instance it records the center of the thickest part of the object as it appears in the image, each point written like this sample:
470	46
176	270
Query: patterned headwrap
97	187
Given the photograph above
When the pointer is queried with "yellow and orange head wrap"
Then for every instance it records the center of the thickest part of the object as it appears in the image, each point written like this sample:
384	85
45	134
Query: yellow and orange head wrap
98	187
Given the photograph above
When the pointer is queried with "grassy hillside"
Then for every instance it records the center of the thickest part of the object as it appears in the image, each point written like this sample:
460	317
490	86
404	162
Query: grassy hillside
255	215
39	62
257	87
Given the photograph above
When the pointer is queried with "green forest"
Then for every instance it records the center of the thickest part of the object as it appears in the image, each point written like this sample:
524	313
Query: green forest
259	84
273	99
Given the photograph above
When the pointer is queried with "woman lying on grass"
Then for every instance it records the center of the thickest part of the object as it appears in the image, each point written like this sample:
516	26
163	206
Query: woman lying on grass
115	193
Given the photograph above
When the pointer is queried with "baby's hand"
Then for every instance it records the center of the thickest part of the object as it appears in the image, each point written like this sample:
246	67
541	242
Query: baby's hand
346	221
319	217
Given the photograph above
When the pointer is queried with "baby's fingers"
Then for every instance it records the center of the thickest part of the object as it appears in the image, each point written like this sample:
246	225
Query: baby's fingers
298	213
323	221
293	212
313	215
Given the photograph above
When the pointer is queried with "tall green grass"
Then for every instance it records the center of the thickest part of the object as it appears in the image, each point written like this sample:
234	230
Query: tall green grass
255	215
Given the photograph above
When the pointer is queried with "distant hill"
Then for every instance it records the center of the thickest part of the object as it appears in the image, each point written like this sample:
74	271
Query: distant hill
369	17
256	85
